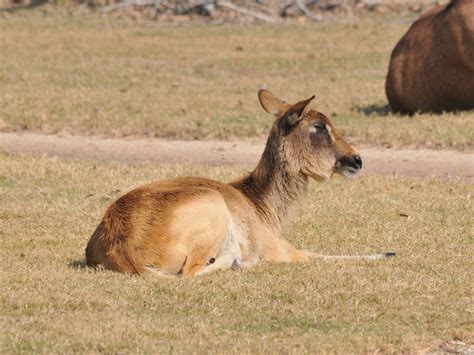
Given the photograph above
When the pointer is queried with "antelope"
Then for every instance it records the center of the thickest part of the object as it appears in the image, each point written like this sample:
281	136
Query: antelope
191	226
432	66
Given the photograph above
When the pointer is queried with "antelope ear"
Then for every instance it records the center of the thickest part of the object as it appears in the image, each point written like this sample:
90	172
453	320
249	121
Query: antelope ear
271	103
296	112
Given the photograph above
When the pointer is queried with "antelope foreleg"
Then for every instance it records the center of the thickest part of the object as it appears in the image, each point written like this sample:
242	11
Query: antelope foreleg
350	257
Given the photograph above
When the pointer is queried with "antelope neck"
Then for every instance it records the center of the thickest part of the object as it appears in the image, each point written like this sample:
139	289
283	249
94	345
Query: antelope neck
273	187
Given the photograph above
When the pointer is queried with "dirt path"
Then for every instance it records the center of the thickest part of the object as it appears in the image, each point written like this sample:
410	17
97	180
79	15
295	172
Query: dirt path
377	161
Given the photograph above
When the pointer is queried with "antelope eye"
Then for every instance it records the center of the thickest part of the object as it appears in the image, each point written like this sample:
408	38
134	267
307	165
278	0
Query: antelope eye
320	126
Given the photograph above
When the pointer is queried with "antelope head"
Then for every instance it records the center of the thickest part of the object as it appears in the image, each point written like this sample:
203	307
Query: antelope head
306	140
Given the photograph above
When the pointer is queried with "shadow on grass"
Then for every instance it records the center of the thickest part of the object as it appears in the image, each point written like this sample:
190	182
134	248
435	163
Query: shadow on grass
377	109
78	264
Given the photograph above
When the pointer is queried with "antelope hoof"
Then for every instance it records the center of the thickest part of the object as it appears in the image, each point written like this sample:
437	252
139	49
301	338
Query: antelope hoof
236	265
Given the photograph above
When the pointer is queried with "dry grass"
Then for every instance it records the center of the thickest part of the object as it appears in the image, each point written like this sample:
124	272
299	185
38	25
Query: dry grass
51	303
104	75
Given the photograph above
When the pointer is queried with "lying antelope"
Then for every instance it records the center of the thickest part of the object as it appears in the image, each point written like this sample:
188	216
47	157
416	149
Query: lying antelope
191	226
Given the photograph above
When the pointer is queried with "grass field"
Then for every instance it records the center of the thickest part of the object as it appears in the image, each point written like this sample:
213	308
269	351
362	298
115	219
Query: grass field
104	75
117	77
51	303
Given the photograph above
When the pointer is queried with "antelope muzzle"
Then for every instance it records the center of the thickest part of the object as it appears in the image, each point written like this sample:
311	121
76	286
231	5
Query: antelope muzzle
349	165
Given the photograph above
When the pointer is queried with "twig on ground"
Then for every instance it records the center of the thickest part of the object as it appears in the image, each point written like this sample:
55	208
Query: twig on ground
247	12
117	6
130	3
301	5
157	8
204	7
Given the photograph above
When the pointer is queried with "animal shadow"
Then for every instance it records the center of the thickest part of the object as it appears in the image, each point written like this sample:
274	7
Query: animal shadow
78	264
374	109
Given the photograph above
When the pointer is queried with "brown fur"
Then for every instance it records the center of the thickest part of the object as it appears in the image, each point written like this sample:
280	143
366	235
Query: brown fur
432	66
191	225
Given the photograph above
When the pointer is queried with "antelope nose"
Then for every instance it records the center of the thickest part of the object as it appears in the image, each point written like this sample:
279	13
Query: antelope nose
358	161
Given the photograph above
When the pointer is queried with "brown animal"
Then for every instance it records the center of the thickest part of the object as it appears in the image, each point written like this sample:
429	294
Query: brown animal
432	67
192	226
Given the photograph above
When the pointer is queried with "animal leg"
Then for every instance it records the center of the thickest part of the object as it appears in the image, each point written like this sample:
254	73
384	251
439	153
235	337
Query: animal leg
280	251
201	261
195	262
350	257
226	261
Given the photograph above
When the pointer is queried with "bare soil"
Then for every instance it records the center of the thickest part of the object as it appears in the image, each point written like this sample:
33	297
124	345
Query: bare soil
446	164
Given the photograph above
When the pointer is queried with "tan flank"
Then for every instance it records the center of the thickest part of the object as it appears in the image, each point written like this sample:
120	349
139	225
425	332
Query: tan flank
432	67
190	226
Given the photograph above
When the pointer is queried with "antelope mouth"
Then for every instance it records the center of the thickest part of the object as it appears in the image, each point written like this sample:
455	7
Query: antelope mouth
349	166
349	172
